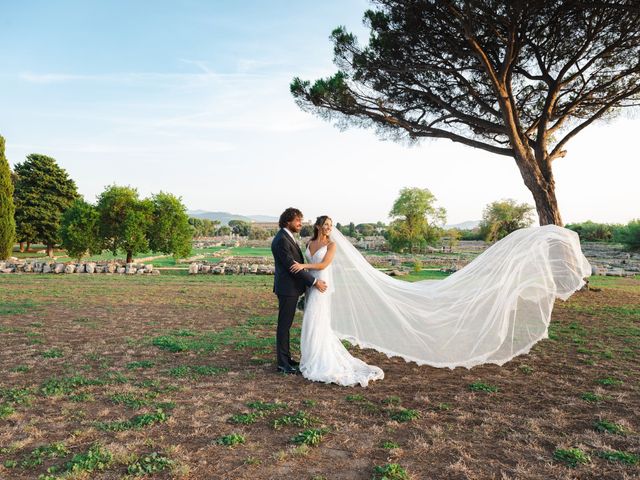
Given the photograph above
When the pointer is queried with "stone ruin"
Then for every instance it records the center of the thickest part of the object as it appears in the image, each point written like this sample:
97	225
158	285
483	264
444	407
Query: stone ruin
611	259
35	266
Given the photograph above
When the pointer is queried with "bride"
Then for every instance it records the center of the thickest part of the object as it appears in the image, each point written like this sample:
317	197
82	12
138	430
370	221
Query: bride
495	308
323	357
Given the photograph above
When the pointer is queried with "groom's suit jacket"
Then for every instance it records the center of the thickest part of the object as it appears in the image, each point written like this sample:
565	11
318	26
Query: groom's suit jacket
285	251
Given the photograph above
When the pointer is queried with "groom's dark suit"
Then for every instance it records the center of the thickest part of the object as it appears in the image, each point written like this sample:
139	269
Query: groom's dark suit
288	287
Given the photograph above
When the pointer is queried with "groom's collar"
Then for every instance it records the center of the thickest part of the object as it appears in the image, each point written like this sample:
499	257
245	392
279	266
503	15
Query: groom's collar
289	232
292	239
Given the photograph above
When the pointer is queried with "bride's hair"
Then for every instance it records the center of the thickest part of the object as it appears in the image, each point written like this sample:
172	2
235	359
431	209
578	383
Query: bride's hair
318	226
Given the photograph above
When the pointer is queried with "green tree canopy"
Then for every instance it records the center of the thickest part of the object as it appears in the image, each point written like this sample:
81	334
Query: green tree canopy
502	217
594	232
240	227
169	231
258	233
307	230
43	192
629	235
417	221
7	209
366	229
79	230
124	220
347	230
203	227
514	78
224	230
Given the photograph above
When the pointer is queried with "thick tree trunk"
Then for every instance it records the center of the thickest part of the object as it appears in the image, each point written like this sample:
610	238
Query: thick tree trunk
547	205
21	247
129	257
543	188
28	245
49	250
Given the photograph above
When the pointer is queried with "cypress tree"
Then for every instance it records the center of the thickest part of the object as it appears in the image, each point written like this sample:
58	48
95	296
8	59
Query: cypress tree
7	208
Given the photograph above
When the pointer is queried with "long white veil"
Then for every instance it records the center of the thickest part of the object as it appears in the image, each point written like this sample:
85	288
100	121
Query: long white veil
491	310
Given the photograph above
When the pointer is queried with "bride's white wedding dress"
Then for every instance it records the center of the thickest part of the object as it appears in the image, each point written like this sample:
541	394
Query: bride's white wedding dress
323	357
493	309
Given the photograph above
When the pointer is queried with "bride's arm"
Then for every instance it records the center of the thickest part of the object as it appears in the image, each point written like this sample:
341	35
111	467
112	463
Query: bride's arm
328	258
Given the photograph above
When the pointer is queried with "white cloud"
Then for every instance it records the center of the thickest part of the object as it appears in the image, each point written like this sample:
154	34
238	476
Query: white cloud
194	79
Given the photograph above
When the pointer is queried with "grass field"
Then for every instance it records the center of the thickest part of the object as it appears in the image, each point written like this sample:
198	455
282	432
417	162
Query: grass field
172	376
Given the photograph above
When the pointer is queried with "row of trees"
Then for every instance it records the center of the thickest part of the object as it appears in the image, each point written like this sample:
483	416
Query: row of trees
628	234
203	227
253	232
40	203
362	229
121	221
417	222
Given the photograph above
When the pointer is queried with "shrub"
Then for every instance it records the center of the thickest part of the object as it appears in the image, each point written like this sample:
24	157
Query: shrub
629	235
231	440
592	232
571	457
482	387
312	436
390	471
618	456
151	463
610	427
299	419
404	415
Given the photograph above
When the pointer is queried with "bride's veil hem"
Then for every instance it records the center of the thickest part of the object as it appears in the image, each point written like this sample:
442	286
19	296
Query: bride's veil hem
494	309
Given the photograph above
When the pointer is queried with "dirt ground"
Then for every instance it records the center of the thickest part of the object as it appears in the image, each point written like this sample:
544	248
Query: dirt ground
84	358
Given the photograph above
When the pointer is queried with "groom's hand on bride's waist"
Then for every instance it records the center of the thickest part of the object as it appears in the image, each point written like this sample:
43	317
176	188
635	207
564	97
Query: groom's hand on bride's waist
320	285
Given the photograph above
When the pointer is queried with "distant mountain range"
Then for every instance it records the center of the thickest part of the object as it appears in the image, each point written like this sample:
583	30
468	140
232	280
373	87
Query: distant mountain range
468	225
225	217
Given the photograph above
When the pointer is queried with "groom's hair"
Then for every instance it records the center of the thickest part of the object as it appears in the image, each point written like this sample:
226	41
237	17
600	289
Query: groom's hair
288	215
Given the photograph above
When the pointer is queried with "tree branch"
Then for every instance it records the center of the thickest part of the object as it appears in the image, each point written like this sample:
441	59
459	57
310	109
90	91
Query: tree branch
557	151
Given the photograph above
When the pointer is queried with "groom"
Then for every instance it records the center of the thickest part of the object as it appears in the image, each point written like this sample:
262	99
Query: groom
289	286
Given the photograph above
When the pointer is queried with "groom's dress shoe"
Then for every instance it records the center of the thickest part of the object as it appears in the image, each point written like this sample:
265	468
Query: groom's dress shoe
294	364
288	369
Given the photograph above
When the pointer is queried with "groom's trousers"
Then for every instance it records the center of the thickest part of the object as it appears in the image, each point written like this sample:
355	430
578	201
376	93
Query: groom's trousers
286	312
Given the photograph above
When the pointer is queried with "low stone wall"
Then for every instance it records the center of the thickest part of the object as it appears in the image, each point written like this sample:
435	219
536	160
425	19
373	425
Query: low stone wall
17	266
251	260
606	259
224	268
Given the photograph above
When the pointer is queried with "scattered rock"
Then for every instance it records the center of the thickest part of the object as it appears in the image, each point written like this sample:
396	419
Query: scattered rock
398	273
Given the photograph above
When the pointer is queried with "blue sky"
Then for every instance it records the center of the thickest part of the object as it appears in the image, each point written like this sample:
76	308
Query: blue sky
192	97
